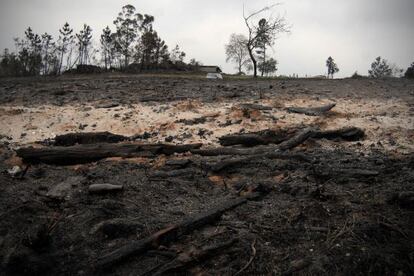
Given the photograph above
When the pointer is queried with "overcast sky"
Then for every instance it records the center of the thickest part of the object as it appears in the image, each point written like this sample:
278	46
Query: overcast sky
353	32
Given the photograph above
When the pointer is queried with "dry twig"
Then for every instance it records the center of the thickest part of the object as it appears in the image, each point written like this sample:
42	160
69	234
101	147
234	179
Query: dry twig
250	260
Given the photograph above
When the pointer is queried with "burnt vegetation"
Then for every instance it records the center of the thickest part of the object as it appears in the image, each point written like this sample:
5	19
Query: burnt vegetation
156	174
131	45
300	199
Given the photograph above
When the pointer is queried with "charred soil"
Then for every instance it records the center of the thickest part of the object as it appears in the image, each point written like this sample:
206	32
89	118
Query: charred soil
322	205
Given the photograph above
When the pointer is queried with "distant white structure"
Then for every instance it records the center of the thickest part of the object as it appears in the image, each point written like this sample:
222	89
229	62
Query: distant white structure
213	72
214	76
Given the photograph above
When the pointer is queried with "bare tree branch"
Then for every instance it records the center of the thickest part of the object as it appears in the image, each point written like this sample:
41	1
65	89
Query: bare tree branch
271	28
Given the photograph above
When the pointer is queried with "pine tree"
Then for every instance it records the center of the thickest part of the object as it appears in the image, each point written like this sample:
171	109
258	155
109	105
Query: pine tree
126	24
380	68
84	40
48	51
66	39
332	67
107	46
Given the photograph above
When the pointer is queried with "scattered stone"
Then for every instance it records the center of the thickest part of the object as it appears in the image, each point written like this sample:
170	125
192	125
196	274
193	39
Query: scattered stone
102	188
16	171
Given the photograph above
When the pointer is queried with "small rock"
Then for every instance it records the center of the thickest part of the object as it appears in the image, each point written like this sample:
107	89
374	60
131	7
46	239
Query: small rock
16	171
102	188
169	139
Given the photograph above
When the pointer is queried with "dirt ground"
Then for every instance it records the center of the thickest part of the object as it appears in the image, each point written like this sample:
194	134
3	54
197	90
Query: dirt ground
323	214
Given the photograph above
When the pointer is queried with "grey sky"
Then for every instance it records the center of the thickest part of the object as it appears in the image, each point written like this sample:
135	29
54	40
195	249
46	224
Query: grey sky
353	32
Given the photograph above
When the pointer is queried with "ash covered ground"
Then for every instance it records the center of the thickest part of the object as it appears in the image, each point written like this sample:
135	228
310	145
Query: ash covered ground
326	206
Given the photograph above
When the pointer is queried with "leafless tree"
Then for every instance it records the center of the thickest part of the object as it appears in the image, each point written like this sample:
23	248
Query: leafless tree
273	27
236	51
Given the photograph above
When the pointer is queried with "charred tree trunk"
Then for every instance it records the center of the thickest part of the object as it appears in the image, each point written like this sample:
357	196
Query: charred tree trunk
312	111
72	139
80	154
263	137
253	60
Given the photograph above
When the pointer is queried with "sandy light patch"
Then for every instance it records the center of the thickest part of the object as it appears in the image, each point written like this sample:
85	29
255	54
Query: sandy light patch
387	122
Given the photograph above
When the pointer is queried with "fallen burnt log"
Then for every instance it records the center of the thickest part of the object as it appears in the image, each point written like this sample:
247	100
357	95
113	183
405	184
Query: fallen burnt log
80	154
294	141
274	151
268	136
348	134
263	137
71	139
312	111
171	233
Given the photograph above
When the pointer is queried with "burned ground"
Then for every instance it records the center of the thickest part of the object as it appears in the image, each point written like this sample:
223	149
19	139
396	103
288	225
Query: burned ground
325	206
